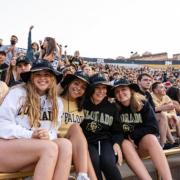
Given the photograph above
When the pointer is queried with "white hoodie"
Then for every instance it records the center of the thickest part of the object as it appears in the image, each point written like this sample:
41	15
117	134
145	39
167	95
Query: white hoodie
15	125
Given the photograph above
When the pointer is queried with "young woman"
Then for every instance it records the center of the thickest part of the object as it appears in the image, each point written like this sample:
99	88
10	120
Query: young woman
74	87
100	115
137	121
29	118
50	51
11	74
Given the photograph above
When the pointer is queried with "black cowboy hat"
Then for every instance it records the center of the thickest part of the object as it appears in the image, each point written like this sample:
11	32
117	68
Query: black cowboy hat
98	79
123	82
23	59
40	65
77	75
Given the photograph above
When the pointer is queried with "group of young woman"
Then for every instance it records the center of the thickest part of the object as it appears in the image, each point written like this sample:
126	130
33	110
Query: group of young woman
94	132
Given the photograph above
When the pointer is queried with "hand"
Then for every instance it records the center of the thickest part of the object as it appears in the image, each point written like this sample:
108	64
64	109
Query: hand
118	153
40	133
31	27
168	106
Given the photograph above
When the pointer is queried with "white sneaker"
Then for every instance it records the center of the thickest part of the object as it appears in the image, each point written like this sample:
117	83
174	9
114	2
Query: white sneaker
82	177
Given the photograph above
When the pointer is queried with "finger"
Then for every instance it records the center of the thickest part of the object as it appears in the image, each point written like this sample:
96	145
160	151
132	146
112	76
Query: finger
120	158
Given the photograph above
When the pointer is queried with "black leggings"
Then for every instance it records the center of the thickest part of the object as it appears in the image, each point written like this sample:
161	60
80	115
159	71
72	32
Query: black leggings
103	159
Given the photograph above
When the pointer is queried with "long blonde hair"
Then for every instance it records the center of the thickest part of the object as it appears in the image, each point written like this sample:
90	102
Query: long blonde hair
137	101
32	103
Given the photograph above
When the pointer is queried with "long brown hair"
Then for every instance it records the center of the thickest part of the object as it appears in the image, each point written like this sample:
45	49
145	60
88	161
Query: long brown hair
32	104
9	74
51	47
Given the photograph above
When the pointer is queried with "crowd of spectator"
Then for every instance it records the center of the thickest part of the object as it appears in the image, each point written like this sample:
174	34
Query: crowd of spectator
159	87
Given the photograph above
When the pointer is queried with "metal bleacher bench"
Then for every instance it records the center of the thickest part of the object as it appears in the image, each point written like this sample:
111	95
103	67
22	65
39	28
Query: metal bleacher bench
20	175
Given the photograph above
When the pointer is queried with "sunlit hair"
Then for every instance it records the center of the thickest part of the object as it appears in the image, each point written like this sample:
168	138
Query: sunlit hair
137	101
32	103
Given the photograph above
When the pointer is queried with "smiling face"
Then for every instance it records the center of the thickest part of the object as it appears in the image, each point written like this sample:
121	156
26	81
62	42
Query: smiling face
123	95
42	81
99	94
76	89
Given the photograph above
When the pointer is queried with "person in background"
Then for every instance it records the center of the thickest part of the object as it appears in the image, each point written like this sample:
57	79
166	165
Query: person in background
3	65
33	48
22	65
69	69
73	94
11	50
138	123
115	77
174	93
87	69
163	103
11	72
50	52
100	115
144	82
30	116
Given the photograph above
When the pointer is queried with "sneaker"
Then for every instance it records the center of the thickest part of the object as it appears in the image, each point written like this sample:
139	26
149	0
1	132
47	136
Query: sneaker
82	177
176	144
168	146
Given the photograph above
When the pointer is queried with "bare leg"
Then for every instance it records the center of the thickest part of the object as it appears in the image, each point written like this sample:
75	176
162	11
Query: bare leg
150	144
80	150
79	146
63	164
163	125
134	160
176	122
170	136
19	153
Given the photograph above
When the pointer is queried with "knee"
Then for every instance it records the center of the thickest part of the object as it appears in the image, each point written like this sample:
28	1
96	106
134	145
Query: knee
149	140
64	147
126	144
49	149
77	134
75	129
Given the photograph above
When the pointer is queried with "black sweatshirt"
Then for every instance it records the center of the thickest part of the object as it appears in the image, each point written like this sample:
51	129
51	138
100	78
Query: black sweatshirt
148	97
135	125
98	121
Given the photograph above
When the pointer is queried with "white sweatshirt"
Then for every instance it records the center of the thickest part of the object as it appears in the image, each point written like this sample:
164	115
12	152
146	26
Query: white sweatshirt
15	125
